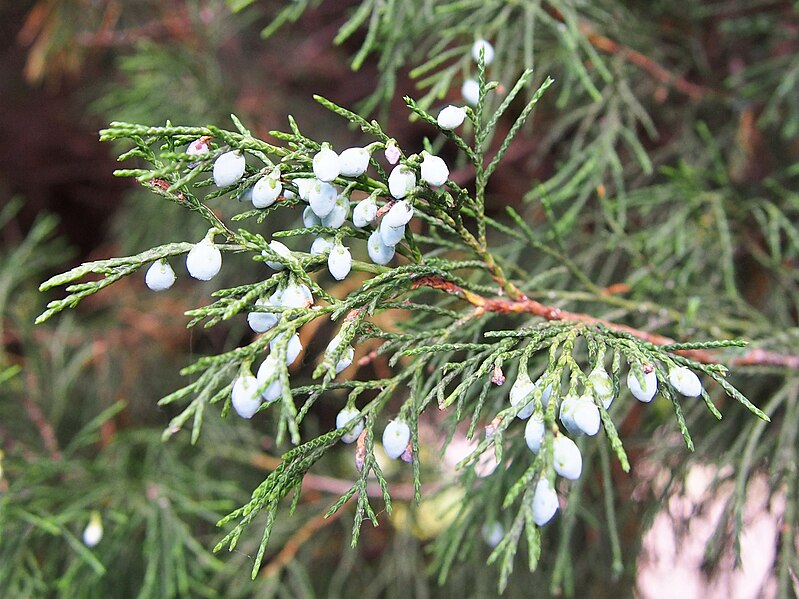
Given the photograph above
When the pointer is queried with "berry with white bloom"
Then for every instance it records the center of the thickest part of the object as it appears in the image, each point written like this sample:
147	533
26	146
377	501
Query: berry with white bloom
269	371
488	51
336	217
603	385
160	276
401	181
434	170
276	299
267	190
545	395
321	245
309	218
322	198
379	252
365	212
204	260
245	397
568	461
304	186
244	196
520	392
273	265
326	164
392	152
566	415
400	214
228	169
346	357
306	291
353	162
391	236
586	416
545	502
339	262
580	415
332	346
281	250
296	295
293	348
451	117
534	432
198	147
344	417
685	381
260	322
643	390
492	533
470	90
396	437
93	533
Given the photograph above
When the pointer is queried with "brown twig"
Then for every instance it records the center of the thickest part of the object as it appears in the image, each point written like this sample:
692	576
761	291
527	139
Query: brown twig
525	305
607	45
761	357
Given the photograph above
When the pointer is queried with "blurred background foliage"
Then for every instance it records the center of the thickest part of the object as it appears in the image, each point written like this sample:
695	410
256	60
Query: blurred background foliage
667	148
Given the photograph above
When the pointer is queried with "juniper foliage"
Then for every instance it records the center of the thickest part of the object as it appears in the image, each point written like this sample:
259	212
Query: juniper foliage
628	248
452	359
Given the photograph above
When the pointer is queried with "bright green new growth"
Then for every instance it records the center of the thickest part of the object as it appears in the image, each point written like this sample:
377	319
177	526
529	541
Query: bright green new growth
467	322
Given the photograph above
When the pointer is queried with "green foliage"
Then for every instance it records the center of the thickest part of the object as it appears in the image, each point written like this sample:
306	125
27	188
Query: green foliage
647	217
455	359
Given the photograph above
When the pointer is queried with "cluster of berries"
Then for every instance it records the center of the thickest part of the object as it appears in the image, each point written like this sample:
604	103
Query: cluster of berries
204	261
396	435
250	392
579	416
327	207
683	379
566	458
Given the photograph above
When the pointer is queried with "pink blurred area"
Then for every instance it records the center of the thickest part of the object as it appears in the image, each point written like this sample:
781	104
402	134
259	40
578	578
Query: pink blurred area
673	562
